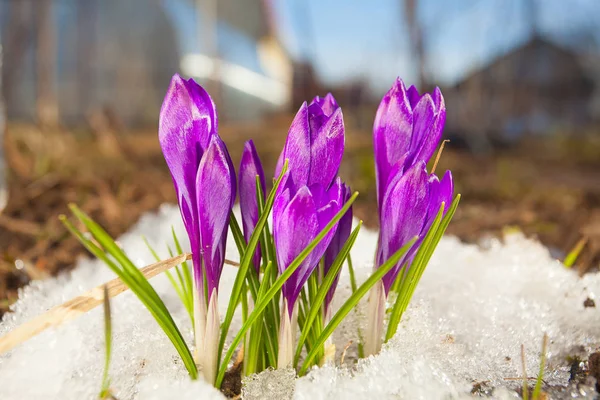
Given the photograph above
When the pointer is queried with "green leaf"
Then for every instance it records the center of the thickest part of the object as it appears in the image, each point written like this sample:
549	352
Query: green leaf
352	274
245	262
573	255
105	388
238	236
134	279
262	302
268	252
187	275
352	302
410	278
257	336
178	287
409	274
316	304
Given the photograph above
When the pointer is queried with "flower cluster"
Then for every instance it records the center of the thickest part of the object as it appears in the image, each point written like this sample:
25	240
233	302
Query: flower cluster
310	210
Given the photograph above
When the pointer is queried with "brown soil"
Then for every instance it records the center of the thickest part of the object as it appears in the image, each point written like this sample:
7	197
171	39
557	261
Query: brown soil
548	189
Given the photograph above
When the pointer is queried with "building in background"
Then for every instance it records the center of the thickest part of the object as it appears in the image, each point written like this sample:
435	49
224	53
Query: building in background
79	57
235	52
537	87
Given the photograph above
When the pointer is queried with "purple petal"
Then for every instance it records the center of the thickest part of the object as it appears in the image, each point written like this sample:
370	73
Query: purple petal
188	119
392	132
395	174
279	164
215	197
434	203
335	246
327	103
403	213
294	228
250	167
446	190
413	96
326	148
423	116
297	148
328	204
439	191
429	120
315	143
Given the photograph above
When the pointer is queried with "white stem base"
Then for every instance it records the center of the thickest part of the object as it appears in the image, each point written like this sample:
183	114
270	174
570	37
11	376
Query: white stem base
285	357
376	311
329	356
211	340
199	325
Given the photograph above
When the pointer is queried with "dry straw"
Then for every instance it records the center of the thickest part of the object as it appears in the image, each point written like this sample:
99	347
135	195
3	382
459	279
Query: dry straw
80	305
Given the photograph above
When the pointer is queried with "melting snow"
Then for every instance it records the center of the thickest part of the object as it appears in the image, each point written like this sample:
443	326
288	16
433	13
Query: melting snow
474	308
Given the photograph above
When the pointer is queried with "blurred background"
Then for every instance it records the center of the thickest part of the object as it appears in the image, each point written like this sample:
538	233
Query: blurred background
82	83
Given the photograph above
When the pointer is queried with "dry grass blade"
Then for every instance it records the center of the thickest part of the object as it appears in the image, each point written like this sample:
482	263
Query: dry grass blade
79	305
524	366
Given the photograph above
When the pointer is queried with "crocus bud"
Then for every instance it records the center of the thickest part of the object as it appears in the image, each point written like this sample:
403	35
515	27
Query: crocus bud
250	168
408	128
188	119
215	196
204	180
315	144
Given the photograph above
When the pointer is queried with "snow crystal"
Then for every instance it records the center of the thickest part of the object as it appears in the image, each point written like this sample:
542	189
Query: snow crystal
474	308
272	383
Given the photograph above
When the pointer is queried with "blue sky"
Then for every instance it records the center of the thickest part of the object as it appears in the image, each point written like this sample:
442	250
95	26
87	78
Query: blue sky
351	38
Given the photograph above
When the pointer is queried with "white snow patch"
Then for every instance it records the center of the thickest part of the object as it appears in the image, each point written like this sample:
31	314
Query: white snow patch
473	309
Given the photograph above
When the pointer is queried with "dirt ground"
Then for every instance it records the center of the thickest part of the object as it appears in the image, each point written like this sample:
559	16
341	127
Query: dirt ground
549	189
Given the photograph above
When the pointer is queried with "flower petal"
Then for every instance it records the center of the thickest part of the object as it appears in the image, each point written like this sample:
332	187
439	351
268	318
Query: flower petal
413	96
428	130
250	167
297	148
337	242
328	203
403	213
423	116
294	228
215	197
327	104
392	132
188	119
326	148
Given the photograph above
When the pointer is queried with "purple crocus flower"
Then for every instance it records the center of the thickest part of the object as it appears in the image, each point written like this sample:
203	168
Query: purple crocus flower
407	129
298	217
307	200
204	181
202	173
250	167
337	242
315	144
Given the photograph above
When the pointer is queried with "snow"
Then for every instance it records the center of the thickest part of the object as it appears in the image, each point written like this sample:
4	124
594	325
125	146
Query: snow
474	308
